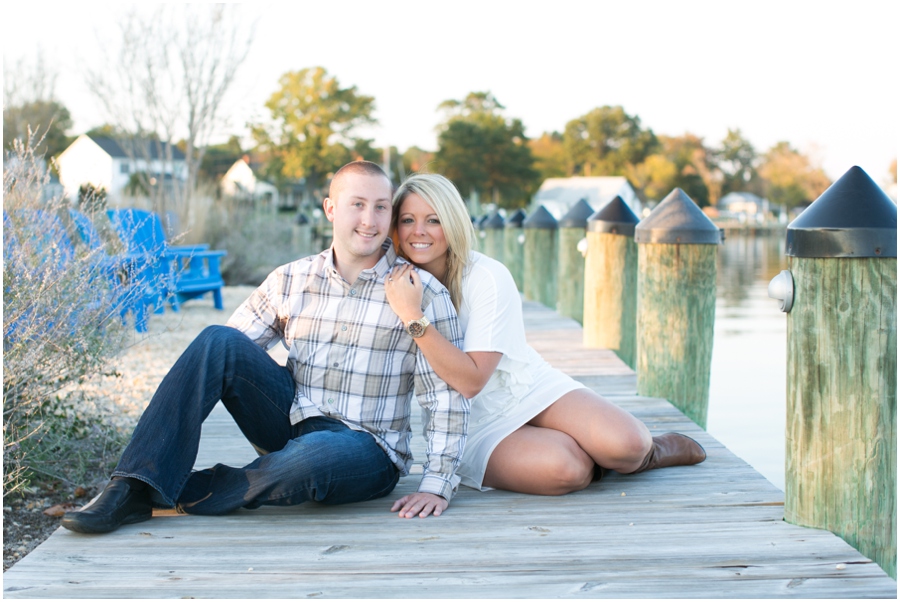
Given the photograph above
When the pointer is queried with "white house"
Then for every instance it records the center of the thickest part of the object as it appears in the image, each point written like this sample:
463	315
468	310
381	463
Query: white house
743	203
559	194
103	162
241	182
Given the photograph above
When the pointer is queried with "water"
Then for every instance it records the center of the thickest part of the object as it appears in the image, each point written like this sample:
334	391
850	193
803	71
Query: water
748	374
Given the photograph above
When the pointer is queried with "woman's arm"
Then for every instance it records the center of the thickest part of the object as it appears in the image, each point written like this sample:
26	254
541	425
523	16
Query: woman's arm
465	372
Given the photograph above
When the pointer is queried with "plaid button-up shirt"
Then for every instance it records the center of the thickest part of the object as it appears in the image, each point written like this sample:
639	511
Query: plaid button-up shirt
353	360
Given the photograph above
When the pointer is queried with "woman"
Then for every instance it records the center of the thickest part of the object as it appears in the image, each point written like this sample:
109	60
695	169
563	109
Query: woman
532	429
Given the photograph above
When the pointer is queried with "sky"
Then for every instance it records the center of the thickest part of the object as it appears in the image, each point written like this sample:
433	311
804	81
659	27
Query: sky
820	75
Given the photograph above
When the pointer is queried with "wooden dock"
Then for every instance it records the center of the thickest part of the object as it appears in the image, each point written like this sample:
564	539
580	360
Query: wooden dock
714	530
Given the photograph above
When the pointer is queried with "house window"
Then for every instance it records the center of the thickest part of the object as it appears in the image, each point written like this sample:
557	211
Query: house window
124	168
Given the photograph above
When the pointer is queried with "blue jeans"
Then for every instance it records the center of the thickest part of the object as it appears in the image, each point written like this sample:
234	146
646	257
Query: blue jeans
318	459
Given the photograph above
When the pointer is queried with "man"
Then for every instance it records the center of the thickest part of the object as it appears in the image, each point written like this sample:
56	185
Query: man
333	424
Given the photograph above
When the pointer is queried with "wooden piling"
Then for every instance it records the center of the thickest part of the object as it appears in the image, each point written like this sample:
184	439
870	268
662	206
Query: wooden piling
841	449
541	252
610	281
570	273
303	236
677	247
493	237
513	248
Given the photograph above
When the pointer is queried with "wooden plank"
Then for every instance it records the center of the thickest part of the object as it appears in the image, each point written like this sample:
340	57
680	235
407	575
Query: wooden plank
711	530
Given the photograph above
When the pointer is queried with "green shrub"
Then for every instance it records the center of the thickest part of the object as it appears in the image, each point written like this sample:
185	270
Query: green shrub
60	326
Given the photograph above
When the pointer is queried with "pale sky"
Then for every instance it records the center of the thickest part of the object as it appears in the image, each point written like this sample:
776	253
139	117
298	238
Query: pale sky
821	75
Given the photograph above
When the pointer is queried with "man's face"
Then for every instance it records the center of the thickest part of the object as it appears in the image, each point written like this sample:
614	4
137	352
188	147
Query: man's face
361	213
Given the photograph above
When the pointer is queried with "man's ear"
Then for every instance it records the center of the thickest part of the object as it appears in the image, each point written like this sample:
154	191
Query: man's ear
328	206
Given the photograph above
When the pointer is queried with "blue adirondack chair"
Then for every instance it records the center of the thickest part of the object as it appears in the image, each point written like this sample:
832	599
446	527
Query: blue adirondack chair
190	271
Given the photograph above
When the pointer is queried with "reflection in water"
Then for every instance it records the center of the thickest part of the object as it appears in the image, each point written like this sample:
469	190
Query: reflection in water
747	382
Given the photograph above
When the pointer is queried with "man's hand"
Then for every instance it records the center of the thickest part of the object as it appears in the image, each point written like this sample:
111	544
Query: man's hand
422	504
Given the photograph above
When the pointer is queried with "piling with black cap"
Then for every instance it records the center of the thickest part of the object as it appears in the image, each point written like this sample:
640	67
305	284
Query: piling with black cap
610	281
676	305
541	249
302	236
493	237
513	248
840	291
570	274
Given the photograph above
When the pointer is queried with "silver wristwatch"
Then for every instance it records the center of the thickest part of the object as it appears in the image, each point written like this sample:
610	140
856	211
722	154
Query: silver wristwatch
416	328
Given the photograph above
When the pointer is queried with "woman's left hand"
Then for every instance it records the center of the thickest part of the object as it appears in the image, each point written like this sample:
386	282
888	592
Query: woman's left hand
403	289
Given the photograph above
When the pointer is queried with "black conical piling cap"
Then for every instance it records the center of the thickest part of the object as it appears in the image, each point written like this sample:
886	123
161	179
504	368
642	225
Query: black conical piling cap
677	219
515	220
853	218
302	220
495	222
577	216
616	217
540	218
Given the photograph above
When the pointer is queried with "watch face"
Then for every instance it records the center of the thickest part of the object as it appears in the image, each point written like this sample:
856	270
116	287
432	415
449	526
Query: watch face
415	329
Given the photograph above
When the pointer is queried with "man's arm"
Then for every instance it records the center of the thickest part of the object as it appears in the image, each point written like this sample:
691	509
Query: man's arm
258	316
447	421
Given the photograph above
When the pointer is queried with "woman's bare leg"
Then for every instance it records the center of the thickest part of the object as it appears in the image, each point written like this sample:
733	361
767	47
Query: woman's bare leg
539	461
612	437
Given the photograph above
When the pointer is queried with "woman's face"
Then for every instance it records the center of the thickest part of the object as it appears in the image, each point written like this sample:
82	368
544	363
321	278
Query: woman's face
421	235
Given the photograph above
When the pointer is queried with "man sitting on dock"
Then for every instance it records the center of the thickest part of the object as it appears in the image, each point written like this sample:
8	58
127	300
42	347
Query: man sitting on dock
332	425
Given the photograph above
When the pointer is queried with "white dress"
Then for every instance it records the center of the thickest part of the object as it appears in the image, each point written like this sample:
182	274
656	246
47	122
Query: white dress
522	386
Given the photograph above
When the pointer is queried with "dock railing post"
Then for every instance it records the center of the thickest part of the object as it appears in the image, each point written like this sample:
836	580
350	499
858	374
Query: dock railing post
513	249
493	237
540	257
676	305
570	277
610	281
479	232
302	236
841	433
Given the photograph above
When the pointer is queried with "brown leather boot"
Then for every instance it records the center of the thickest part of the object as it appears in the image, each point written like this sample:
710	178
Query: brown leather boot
672	449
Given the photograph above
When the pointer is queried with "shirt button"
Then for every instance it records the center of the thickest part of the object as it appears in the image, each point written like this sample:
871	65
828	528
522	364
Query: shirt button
352	292
331	401
335	364
344	327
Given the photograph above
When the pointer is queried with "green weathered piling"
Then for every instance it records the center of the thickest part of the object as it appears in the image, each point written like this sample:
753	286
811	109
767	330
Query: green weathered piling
302	236
610	281
570	276
513	248
493	237
540	257
480	233
677	246
841	449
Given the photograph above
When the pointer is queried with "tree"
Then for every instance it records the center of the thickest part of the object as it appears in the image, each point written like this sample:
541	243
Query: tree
605	141
789	177
30	107
312	127
219	158
737	160
482	151
416	160
168	76
549	154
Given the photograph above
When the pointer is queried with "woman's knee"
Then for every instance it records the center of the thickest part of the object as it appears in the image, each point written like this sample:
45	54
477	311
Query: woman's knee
571	468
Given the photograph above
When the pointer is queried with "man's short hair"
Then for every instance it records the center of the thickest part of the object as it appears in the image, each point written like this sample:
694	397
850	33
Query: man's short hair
363	168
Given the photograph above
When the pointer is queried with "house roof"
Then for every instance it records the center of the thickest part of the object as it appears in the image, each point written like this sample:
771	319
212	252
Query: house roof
739	197
141	149
560	194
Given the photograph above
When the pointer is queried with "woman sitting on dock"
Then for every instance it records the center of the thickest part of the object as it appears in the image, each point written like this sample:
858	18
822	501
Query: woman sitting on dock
532	429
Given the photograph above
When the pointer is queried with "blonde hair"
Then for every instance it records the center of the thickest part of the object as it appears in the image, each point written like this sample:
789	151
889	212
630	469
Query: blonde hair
442	196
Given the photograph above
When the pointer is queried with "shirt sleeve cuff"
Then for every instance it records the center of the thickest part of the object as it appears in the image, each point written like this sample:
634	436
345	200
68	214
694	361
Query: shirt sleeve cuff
439	484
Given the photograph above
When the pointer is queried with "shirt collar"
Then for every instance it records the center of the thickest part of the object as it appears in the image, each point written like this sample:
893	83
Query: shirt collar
380	270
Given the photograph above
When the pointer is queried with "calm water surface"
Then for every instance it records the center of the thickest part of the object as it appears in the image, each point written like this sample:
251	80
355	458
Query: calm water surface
748	376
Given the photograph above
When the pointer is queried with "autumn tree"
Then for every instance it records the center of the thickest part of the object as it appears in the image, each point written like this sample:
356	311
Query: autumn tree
605	141
789	177
549	155
483	151
313	126
737	160
31	111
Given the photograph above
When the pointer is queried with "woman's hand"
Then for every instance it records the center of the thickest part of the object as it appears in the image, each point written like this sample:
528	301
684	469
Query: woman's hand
403	289
420	503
